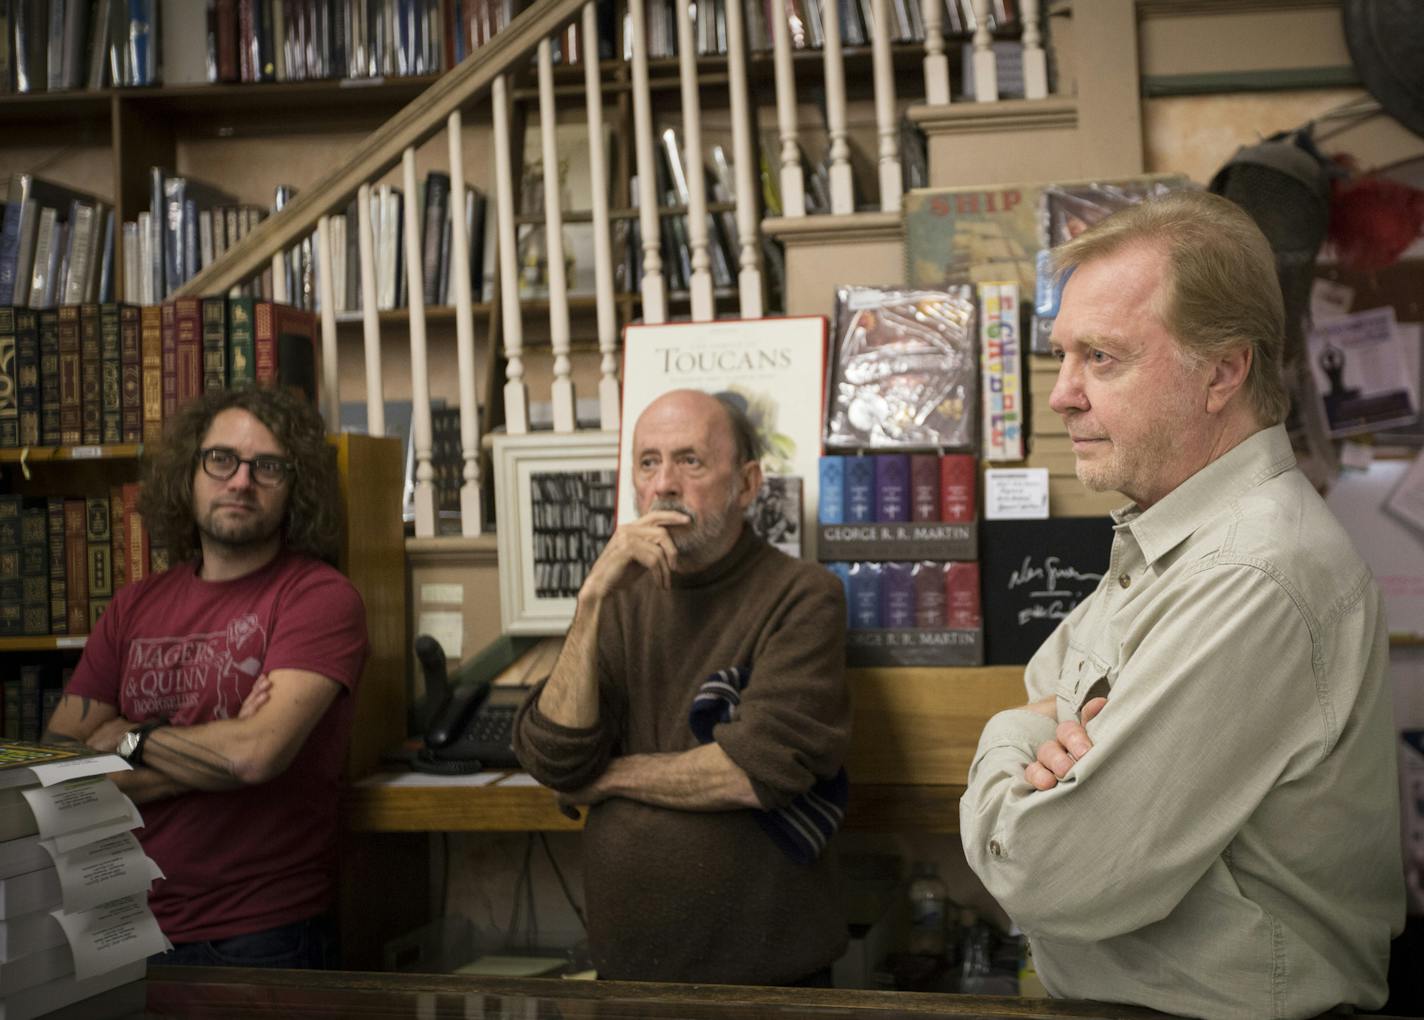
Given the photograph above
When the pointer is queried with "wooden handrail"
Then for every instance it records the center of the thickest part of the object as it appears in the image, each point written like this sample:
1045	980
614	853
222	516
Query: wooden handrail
420	120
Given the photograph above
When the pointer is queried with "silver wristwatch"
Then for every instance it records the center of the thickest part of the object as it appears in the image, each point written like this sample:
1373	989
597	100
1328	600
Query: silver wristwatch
130	747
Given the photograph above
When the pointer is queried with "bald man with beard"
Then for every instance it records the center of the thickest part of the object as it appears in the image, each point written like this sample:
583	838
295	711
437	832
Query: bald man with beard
705	854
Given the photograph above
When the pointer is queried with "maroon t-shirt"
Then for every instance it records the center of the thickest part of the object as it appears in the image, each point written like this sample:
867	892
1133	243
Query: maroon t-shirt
188	650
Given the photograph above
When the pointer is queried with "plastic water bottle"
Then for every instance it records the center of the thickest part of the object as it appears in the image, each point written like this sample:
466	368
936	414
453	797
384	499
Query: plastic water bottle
927	910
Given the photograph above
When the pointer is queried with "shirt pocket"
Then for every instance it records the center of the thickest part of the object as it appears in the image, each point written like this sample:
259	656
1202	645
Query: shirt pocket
1082	676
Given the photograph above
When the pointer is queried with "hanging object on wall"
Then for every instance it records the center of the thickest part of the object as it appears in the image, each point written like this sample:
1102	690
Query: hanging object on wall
1373	219
1386	41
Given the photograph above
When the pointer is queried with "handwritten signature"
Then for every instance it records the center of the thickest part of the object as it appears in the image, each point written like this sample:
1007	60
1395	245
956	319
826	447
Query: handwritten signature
1050	573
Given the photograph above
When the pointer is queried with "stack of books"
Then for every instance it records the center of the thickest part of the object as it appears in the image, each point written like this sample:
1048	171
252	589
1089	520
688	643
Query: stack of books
74	917
56	245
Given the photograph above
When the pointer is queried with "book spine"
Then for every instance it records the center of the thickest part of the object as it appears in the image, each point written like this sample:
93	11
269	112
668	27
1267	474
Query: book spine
1011	338
924	487
897	595
131	374
170	361
111	386
930	595
892	486
188	316
264	345
99	537
241	364
9	380
150	340
76	567
71	402
961	590
118	542
957	477
30	701
437	203
58	598
865	596
91	371
135	535
10	612
831	509
50	387
298	358
27	374
214	310
34	567
859	489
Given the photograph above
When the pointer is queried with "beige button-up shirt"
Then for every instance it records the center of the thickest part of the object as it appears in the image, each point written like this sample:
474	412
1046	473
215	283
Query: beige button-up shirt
1230	845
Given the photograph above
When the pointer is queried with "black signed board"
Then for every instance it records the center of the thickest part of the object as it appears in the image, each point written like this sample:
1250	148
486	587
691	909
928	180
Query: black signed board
1032	574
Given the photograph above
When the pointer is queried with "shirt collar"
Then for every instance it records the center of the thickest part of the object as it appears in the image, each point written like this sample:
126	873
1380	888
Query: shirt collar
747	543
1167	523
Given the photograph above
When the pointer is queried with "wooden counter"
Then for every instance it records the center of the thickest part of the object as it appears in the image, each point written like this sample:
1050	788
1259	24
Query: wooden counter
229	992
914	736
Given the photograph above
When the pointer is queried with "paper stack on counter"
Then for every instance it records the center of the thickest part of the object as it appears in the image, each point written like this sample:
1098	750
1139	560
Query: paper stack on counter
74	917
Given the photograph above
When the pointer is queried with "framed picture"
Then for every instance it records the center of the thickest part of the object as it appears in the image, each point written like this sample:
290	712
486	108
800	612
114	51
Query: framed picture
555	496
775	367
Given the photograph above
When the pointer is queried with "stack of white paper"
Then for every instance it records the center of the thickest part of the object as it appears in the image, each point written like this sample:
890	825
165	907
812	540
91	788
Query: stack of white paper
74	917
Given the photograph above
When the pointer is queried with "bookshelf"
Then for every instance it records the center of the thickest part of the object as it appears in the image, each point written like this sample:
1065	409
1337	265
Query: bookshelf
372	555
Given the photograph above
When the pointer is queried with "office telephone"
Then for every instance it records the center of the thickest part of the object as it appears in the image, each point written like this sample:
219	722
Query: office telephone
472	724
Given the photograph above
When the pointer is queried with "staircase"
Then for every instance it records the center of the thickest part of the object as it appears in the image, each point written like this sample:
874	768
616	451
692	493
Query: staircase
1089	127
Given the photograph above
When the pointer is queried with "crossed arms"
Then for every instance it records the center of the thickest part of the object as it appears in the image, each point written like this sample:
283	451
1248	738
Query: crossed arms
225	754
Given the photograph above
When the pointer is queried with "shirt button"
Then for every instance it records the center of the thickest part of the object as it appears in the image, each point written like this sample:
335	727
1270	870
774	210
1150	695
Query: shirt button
1124	580
996	848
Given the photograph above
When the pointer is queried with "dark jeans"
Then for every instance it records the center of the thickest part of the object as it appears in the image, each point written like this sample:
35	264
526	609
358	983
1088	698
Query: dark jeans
309	945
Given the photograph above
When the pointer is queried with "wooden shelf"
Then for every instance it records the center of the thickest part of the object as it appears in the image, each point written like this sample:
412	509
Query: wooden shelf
49	643
38	454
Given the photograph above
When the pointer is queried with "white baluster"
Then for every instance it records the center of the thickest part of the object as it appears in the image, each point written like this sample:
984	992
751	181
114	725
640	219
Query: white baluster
793	196
471	512
563	389
602	242
842	190
703	308
330	378
749	267
370	318
653	285
936	61
516	394
419	370
986	72
279	278
1035	61
886	127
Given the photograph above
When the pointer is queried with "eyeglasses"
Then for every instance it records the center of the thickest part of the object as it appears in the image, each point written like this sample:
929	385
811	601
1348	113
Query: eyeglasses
221	463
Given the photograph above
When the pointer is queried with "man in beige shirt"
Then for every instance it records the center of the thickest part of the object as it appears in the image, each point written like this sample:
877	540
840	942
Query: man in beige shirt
1197	810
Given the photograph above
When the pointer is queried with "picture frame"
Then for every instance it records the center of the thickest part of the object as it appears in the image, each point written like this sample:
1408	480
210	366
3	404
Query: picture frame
554	496
776	366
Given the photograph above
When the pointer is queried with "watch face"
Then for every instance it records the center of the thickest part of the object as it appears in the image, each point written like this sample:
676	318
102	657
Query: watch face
128	743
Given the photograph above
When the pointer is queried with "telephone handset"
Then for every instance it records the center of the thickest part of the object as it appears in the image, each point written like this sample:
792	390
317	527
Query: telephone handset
472	726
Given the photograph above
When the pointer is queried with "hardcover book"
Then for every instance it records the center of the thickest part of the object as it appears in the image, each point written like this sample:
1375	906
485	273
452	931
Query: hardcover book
34	567
832	504
892	487
931	604
897	595
924	487
1001	352
50	415
9	381
188	327
766	365
214	344
958	474
131	373
241	366
864	596
91	412
285	348
58	566
27	374
859	490
961	592
76	567
71	403
903	369
151	371
111	406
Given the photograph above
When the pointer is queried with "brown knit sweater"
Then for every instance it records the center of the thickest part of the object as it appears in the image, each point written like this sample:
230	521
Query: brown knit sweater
707	896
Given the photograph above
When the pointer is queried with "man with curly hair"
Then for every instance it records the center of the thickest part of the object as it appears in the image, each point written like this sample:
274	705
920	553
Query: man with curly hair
228	682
